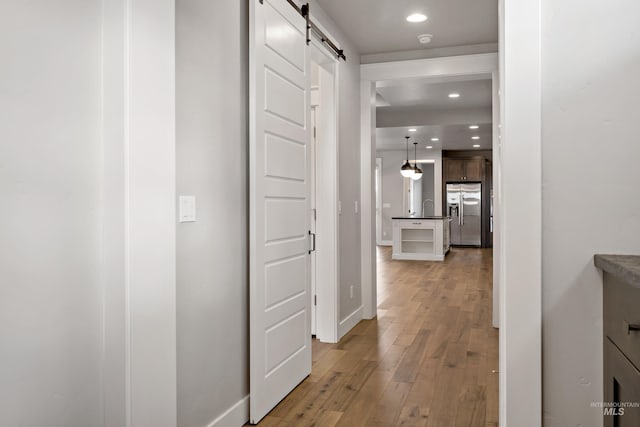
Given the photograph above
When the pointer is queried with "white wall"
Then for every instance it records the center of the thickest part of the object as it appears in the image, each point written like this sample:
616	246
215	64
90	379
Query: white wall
50	133
349	180
212	253
87	226
428	189
412	116
590	183
392	189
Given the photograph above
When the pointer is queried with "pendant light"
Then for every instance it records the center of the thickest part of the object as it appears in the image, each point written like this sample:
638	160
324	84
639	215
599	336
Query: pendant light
407	170
417	172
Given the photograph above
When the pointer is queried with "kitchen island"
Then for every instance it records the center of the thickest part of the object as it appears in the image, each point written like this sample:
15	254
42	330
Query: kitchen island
421	238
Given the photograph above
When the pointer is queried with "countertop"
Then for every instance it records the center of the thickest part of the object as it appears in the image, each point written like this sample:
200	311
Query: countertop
420	217
625	267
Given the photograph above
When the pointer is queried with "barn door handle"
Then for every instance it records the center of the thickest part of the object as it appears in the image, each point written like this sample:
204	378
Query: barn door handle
313	241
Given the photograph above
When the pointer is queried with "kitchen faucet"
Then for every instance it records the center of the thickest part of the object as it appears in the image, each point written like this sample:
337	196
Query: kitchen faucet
425	201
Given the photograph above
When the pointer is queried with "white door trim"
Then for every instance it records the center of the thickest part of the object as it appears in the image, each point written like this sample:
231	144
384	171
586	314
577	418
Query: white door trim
138	213
378	195
521	198
327	248
367	195
496	179
314	210
479	64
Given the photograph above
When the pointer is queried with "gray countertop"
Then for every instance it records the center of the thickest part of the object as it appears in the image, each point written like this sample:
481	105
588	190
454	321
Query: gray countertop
625	267
421	217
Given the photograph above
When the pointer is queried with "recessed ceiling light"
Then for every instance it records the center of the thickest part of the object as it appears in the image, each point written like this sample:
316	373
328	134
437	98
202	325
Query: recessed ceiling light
416	17
454	95
474	127
475	137
412	130
435	139
429	147
476	145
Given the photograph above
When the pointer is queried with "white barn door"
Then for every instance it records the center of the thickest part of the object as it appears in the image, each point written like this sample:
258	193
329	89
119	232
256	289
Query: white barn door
280	336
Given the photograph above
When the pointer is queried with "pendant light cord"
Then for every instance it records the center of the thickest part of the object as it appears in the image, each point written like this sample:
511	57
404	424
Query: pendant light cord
407	138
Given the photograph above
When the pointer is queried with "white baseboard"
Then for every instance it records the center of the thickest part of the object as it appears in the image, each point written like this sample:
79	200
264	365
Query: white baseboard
349	322
385	243
236	416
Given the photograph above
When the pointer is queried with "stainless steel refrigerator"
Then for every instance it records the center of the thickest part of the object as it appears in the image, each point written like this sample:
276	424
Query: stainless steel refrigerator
464	205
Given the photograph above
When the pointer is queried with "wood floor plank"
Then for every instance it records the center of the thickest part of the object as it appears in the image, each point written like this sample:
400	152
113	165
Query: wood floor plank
350	386
413	416
472	408
307	409
271	421
328	419
409	365
429	359
360	409
444	405
387	410
323	365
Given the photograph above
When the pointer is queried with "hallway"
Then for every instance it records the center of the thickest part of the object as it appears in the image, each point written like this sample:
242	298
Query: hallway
427	360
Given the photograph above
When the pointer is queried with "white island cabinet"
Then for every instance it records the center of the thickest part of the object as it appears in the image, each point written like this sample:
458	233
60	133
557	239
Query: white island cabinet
421	239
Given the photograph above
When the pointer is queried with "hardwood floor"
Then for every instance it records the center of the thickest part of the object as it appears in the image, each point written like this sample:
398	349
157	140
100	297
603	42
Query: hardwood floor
427	359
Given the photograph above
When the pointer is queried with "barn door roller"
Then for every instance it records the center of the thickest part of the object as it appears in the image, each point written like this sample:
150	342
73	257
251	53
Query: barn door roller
304	11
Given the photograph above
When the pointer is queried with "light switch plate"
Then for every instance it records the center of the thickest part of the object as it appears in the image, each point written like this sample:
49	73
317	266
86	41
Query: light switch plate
187	209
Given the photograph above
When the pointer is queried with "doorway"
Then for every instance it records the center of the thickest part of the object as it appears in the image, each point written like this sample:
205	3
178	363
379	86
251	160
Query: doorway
464	70
460	68
323	169
435	69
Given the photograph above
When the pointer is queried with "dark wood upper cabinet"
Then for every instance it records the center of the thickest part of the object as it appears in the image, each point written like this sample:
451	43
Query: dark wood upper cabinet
463	170
454	169
474	170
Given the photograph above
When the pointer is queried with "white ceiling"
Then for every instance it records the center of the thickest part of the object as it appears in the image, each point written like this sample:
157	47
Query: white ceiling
423	93
452	137
377	26
423	99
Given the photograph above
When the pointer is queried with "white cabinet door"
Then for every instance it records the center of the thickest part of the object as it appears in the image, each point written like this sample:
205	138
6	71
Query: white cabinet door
280	336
